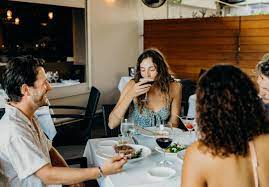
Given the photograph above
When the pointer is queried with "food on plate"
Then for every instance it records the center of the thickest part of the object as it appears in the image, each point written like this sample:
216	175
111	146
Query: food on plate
128	151
175	147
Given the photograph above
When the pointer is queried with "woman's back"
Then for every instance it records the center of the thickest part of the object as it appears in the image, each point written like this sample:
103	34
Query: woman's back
232	171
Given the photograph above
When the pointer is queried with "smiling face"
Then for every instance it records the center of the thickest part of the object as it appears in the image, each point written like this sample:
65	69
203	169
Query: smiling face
41	87
148	69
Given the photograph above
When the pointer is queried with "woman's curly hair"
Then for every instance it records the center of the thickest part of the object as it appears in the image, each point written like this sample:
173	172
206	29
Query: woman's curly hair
163	78
229	111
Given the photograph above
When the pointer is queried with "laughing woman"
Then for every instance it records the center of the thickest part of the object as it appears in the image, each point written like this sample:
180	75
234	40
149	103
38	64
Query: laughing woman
153	94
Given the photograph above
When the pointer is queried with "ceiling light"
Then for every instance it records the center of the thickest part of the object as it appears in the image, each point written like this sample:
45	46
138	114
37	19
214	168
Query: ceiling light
50	15
9	14
17	21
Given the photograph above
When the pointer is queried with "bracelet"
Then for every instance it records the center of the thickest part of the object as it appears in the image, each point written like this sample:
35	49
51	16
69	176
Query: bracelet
101	173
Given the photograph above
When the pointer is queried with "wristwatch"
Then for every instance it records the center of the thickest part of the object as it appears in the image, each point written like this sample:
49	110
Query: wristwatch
101	174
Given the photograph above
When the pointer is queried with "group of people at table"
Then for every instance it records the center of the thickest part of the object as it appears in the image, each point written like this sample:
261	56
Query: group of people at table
231	115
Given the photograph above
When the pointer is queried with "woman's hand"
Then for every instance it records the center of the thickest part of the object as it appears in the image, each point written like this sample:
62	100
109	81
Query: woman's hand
114	165
141	87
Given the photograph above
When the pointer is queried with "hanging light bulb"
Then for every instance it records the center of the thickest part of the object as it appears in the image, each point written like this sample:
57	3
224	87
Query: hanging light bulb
9	14
17	21
50	15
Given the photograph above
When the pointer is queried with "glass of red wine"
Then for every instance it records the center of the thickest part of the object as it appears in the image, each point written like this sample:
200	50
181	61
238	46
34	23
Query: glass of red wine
146	94
164	139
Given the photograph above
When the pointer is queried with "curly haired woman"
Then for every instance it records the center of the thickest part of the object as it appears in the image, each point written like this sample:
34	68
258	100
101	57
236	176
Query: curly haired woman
163	96
232	149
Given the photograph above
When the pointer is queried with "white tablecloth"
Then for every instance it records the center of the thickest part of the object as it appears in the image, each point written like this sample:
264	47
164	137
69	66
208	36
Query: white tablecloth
135	174
192	105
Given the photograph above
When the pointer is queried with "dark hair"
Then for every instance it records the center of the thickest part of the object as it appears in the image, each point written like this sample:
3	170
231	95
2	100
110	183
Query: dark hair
263	66
20	70
229	111
163	78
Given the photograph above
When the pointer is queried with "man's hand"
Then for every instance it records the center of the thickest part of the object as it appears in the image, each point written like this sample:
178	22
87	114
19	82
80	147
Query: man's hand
114	165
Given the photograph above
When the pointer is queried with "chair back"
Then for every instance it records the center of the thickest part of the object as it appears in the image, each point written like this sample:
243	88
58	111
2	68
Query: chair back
107	109
92	102
188	89
2	112
90	110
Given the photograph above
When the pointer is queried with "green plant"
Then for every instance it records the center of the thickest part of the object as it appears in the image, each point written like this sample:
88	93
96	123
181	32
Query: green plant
176	1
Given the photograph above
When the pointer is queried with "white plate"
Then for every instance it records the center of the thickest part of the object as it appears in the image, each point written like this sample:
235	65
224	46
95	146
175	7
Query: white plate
106	152
153	131
107	143
161	173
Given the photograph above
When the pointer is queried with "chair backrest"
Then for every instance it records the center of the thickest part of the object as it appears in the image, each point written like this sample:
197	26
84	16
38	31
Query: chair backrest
90	111
92	102
188	89
2	112
107	108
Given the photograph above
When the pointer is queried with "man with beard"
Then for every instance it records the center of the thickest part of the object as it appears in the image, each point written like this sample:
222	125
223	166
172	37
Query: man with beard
27	157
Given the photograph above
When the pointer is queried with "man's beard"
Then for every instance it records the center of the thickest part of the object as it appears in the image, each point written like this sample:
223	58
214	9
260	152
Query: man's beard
41	100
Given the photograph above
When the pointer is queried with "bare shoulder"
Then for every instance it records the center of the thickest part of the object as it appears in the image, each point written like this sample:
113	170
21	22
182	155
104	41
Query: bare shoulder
197	153
175	87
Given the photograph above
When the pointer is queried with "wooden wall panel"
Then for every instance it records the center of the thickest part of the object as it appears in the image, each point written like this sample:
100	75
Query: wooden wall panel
192	44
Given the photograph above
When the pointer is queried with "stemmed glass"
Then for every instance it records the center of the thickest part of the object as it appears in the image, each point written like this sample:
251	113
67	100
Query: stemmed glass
55	76
146	94
164	139
189	123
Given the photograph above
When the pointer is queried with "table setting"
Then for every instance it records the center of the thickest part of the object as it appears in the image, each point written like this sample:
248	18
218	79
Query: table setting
155	155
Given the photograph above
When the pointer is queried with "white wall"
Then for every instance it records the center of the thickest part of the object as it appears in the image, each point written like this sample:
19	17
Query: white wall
114	44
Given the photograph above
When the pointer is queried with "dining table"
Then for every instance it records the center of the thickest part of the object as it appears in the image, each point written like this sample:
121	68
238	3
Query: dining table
136	174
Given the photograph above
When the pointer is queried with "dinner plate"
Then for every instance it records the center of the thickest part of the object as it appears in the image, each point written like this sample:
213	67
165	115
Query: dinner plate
106	152
161	173
107	143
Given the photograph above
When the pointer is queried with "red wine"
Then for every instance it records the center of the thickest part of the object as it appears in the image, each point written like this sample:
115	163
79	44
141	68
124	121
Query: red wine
164	142
149	82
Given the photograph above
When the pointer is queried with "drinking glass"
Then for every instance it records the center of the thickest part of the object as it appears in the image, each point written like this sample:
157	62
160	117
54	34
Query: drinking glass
164	139
189	122
146	94
127	128
56	76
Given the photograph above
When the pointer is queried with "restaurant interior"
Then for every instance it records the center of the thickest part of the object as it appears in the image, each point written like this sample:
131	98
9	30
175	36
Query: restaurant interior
90	46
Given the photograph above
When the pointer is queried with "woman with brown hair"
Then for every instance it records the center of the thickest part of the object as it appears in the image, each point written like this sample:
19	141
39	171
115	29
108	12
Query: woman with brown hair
153	93
232	149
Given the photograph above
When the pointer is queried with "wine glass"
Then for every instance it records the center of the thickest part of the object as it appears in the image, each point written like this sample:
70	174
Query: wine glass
127	128
164	139
189	123
56	76
146	94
